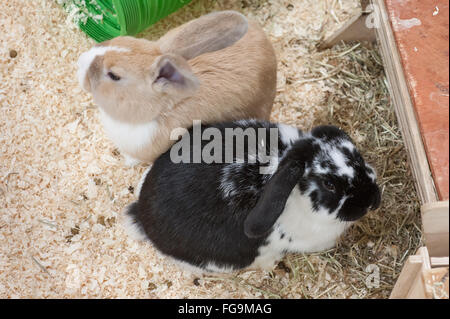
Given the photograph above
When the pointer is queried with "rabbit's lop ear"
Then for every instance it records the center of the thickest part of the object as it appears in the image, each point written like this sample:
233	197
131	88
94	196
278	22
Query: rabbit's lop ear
273	199
172	75
212	32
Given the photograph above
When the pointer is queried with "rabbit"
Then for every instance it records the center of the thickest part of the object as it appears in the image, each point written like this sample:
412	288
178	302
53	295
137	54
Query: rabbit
227	215
219	67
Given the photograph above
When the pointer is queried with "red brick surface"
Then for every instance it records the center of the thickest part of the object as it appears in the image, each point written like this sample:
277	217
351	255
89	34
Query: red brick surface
421	29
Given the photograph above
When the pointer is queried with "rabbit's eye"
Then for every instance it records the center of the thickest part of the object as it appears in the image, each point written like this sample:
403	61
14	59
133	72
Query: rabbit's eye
329	186
113	77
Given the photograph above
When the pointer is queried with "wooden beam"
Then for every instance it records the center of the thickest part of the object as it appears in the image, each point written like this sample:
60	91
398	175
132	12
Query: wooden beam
439	262
403	107
423	252
410	274
410	284
435	221
354	29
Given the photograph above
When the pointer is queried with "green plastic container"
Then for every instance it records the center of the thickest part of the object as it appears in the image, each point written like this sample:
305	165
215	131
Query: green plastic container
106	19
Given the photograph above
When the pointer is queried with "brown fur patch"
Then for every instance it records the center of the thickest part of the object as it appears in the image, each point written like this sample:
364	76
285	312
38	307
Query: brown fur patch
236	82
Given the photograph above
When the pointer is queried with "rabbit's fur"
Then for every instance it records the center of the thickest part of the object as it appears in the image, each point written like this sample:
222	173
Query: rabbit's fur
225	216
219	67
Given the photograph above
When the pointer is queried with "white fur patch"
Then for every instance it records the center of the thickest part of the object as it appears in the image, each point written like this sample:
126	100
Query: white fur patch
339	160
319	169
288	134
185	265
142	180
331	151
348	145
211	267
302	230
85	60
132	229
371	172
129	138
130	161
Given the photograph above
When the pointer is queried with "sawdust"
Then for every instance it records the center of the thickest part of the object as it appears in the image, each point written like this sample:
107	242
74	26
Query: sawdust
63	185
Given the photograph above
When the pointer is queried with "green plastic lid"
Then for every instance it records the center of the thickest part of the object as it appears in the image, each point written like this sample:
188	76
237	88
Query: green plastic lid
106	19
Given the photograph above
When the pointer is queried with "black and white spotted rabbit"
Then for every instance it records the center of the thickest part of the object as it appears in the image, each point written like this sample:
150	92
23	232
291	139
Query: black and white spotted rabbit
221	217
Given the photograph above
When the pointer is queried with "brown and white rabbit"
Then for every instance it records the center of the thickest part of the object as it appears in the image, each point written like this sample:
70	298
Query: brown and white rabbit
218	67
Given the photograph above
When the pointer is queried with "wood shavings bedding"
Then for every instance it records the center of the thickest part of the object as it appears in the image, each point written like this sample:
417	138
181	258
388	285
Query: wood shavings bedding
63	185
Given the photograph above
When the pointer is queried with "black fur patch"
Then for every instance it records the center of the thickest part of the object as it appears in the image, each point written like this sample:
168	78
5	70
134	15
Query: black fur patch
187	212
362	193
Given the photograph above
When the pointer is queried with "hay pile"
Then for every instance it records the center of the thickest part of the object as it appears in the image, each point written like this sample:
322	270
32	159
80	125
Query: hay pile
63	184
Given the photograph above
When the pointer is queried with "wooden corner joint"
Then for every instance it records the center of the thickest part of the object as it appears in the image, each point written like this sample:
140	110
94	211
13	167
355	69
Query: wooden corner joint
423	277
355	29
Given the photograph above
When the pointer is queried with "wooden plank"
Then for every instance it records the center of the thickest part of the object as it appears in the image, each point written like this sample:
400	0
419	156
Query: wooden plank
411	272
421	31
354	29
423	252
417	290
410	284
439	262
403	106
435	221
